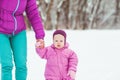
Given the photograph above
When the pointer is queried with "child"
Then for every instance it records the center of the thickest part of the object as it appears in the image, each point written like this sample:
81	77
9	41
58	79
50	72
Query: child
61	61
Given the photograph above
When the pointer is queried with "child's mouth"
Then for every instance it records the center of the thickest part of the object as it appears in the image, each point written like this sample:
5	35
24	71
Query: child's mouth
58	45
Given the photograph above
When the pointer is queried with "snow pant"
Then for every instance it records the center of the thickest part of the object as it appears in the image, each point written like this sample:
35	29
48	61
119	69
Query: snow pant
61	79
13	49
68	78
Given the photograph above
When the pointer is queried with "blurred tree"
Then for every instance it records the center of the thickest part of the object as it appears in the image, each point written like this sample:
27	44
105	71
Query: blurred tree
117	13
62	14
79	14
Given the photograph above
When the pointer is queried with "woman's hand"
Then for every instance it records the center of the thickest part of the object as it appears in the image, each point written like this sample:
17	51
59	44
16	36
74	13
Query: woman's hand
39	43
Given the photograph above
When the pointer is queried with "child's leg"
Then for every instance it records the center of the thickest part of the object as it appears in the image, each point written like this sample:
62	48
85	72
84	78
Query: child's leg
19	47
6	57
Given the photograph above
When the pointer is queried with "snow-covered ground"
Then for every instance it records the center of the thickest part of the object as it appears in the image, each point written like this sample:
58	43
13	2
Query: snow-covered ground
98	52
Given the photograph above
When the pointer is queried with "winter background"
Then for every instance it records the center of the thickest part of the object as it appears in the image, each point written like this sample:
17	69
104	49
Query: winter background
98	52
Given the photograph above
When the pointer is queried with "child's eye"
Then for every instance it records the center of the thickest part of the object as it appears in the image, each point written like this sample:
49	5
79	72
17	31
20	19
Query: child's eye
56	40
61	41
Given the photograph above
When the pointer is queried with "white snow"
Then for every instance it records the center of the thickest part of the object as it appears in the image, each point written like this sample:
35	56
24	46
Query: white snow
98	52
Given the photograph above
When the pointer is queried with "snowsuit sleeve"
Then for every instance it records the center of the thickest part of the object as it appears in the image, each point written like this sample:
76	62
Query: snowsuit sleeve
42	52
73	61
35	19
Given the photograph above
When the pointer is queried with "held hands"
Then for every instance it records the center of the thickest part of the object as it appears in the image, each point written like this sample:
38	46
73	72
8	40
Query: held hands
39	43
71	74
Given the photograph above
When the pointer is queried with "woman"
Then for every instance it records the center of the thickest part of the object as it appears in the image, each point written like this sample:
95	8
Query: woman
13	42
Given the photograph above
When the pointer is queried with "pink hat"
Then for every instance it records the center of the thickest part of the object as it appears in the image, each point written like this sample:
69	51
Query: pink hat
60	32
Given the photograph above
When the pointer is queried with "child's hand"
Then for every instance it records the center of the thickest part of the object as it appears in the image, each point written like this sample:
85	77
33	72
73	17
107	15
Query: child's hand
71	74
39	43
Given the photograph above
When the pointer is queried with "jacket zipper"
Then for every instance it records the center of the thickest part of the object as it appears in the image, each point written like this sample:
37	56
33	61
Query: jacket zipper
15	20
58	64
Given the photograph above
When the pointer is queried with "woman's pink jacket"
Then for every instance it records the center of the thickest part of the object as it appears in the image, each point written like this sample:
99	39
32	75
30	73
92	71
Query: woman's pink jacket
59	61
12	18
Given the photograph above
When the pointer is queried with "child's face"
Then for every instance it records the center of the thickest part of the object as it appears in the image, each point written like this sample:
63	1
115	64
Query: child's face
58	41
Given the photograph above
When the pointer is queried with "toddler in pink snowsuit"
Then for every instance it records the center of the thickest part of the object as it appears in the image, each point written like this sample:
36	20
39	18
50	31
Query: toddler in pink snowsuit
61	61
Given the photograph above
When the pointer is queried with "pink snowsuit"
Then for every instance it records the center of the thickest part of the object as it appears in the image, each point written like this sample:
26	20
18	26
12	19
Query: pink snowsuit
59	62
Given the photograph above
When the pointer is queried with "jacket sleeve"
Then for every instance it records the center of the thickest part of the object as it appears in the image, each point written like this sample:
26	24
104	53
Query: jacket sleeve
43	53
35	19
73	61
